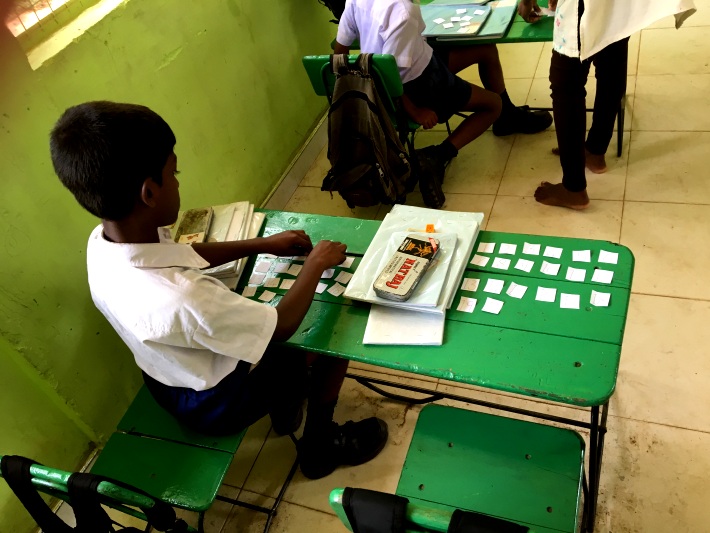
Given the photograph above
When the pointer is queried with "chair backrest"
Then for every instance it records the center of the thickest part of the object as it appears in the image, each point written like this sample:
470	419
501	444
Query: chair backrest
53	482
419	517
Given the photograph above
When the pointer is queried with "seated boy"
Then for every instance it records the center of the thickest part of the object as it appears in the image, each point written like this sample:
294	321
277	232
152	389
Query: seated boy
194	339
432	91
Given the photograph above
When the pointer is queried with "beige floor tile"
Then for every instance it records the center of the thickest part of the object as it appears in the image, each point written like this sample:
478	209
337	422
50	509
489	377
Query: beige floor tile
672	103
654	479
668	167
289	518
472	203
601	220
216	516
479	166
247	453
540	97
671	244
319	168
669	51
663	376
518	60
313	200
700	18
531	161
382	473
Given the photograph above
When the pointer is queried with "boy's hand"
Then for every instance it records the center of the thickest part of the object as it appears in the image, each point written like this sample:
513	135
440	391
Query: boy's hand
293	242
327	254
426	117
529	10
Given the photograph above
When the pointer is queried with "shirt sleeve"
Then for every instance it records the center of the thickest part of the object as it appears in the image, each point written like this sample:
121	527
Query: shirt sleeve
347	29
399	36
233	325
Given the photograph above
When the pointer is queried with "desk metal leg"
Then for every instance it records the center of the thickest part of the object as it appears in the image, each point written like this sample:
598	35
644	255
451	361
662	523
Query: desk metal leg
596	449
620	126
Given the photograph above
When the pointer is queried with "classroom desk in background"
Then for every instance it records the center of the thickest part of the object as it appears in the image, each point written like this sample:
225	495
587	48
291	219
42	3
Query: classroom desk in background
532	348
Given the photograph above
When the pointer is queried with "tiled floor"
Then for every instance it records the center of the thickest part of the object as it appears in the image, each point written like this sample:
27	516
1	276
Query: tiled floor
655	200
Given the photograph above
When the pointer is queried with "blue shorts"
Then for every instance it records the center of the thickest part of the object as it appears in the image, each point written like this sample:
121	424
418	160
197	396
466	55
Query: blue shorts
438	89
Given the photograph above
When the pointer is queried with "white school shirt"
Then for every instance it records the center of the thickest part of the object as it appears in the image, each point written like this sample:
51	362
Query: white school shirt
387	27
605	22
185	329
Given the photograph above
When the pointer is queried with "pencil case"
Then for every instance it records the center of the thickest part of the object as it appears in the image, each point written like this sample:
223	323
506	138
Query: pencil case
406	268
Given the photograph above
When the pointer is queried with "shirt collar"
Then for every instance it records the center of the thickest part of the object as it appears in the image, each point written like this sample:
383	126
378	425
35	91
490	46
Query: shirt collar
164	254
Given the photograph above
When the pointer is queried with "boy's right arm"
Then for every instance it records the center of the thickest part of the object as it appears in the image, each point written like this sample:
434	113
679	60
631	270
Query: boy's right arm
529	10
295	304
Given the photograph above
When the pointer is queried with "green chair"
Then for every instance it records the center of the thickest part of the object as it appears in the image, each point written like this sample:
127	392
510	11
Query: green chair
387	81
53	482
527	473
182	467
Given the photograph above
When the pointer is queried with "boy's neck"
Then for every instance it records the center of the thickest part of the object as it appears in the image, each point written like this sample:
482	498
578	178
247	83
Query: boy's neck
130	231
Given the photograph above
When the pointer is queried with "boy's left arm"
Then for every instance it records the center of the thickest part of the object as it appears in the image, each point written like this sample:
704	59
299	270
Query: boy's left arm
286	243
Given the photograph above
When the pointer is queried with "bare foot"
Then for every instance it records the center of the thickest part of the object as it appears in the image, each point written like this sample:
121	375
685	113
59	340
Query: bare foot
556	195
595	163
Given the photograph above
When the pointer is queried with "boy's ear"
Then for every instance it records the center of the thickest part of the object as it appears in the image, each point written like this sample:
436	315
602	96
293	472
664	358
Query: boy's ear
149	190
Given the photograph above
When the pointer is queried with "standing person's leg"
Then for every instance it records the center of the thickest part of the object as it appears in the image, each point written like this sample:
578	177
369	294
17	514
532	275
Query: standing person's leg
568	76
512	119
610	67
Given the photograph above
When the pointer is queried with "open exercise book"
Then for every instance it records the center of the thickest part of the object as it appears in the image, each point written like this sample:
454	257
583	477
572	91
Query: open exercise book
230	222
496	21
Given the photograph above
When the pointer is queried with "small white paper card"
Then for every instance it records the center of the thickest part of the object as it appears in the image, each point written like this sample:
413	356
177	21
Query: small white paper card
492	306
516	291
248	292
467	305
281	267
551	269
486	247
439	20
286	284
327	274
494	285
500	263
262	266
272	282
462	11
575	274
256	279
508	249
467	18
465	23
551	251
267	296
608	257
582	256
455	19
479	12
569	301
347	263
545	294
321	287
600	299
343	277
336	290
602	276
525	265
531	249
480	260
448	25
470	284
294	270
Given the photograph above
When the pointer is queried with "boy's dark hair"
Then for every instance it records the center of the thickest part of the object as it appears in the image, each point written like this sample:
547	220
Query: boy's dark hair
104	151
336	7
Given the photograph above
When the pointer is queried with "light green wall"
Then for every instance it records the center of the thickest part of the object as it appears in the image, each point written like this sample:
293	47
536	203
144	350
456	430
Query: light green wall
226	75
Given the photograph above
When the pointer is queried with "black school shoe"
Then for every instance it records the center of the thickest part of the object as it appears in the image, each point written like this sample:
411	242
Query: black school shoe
432	168
286	421
521	120
351	444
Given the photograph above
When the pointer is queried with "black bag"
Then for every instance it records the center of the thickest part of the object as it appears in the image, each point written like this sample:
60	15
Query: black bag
84	500
369	164
336	7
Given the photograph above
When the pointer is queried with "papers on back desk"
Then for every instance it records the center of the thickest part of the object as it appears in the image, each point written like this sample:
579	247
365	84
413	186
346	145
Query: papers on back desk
387	325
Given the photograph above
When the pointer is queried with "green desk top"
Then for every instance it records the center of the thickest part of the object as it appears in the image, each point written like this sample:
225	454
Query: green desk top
531	348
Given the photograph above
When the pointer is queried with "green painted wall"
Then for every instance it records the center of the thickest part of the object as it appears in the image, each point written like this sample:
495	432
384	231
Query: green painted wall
226	75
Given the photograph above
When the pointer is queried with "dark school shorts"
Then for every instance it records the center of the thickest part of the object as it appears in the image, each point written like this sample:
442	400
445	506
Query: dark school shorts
438	89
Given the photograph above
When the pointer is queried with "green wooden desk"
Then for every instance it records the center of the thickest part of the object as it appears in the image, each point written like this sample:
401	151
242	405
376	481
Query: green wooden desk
531	348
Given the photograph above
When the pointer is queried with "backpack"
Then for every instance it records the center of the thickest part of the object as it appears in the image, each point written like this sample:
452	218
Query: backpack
369	164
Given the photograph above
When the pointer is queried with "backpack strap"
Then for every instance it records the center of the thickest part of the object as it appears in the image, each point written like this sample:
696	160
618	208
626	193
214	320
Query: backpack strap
473	522
369	511
16	471
364	64
340	64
